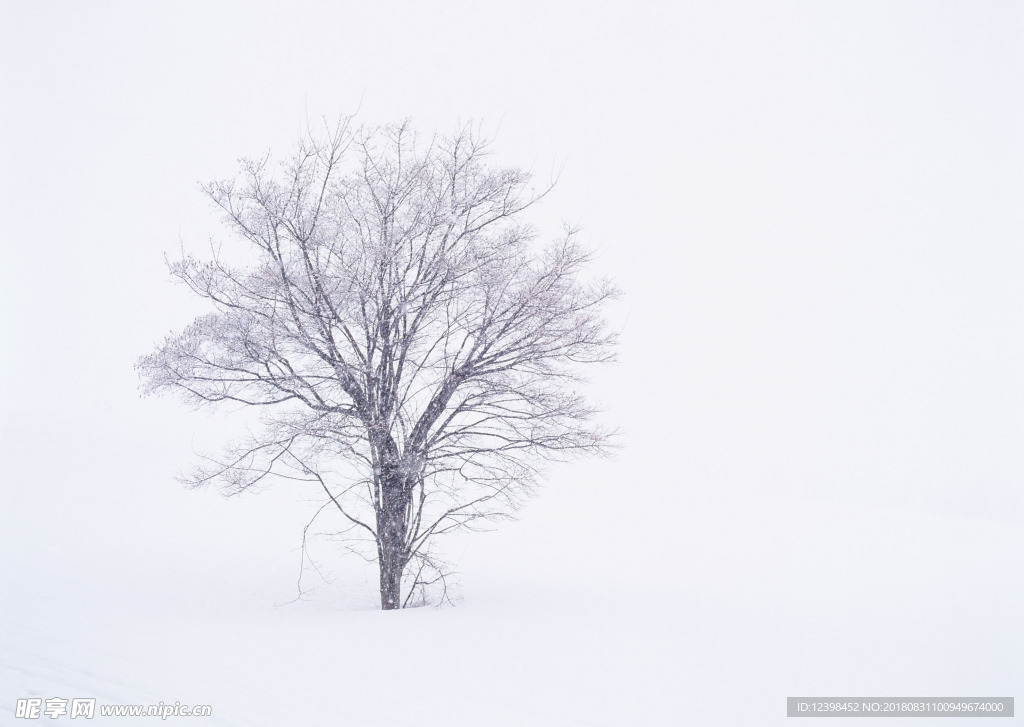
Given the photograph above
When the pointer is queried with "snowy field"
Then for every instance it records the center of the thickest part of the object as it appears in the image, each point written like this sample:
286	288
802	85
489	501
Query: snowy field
713	621
815	212
700	610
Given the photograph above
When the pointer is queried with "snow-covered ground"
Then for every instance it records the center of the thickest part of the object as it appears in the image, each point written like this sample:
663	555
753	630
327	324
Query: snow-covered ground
711	615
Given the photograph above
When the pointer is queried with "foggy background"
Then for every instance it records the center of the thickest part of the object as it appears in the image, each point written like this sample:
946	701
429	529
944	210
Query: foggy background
815	213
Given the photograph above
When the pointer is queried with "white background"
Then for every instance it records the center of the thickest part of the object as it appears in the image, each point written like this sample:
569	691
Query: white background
815	213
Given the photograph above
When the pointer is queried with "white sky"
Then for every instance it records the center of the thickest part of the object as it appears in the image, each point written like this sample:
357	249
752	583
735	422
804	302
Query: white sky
815	211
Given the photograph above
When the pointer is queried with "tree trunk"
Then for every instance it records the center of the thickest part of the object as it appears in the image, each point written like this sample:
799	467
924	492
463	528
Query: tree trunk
391	543
390	580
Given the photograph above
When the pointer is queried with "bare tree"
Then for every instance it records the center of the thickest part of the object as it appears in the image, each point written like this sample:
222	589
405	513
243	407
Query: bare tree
416	354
